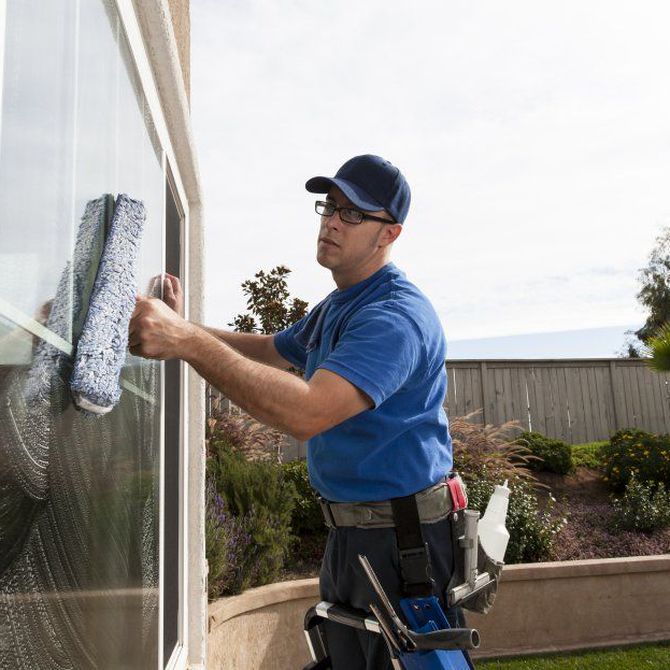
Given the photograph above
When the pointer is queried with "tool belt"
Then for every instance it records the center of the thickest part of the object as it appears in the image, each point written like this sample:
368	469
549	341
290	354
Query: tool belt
406	514
433	503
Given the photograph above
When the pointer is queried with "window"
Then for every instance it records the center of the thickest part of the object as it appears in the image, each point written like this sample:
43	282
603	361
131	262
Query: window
79	497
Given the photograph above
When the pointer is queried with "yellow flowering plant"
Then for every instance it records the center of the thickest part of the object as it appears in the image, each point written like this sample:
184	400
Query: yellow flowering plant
636	452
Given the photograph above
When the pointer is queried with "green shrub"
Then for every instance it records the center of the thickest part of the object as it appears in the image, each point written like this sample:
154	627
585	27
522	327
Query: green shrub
552	455
486	456
307	517
589	455
257	492
635	452
532	531
644	507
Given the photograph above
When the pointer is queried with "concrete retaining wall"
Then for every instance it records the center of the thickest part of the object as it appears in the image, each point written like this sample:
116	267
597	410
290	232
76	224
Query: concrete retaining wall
540	607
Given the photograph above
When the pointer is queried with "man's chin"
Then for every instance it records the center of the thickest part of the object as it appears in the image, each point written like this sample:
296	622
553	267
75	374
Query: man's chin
323	261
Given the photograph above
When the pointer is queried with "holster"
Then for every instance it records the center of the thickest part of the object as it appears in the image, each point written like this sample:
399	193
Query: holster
482	599
415	560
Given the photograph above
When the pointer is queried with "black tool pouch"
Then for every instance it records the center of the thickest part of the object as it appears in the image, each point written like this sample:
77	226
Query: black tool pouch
480	600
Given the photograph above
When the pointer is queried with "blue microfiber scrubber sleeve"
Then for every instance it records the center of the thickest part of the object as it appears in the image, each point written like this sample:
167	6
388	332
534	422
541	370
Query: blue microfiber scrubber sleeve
68	305
102	346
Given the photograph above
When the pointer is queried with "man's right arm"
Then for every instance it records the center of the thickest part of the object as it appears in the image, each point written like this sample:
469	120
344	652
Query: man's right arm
258	347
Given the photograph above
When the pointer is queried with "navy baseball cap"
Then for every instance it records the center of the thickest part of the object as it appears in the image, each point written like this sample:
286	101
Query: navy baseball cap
371	183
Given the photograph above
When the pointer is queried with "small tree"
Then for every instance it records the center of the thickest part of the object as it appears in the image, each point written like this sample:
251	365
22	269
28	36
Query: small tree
631	348
655	291
269	302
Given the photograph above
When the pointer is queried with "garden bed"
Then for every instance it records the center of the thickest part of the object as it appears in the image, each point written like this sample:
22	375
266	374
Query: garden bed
582	498
264	524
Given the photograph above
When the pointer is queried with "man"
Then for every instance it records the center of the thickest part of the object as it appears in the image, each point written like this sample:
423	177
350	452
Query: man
370	403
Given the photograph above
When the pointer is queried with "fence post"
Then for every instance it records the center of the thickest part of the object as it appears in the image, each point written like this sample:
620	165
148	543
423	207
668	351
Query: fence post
614	403
482	373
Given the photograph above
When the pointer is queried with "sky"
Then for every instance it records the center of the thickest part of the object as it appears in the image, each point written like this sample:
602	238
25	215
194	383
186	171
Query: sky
535	138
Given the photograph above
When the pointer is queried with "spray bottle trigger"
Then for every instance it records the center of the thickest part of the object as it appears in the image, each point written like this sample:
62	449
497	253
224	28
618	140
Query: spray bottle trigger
459	497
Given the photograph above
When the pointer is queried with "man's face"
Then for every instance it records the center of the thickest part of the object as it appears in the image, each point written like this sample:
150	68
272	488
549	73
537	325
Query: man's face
345	246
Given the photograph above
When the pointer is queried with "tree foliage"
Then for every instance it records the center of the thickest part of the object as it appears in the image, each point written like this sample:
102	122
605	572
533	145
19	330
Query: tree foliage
269	303
659	348
655	291
631	348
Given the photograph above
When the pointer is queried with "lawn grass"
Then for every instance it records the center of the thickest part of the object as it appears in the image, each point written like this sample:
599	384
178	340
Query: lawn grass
645	657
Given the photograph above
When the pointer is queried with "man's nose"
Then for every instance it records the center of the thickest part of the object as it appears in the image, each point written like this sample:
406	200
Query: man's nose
334	222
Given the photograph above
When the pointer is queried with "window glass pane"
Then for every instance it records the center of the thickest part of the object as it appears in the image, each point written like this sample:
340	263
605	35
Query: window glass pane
78	495
37	137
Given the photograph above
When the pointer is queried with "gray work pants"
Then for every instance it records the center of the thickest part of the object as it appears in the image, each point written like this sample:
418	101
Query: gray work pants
343	581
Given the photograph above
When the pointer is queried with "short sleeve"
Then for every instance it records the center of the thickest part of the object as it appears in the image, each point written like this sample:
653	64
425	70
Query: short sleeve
288	347
378	352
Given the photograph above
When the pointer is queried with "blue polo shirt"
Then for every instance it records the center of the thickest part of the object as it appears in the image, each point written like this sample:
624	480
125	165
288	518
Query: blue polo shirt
383	336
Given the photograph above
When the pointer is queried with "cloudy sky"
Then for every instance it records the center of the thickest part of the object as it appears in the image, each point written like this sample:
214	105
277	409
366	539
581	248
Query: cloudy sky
535	137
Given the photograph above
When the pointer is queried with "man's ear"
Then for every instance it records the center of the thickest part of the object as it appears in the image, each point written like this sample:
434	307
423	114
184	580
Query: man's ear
391	232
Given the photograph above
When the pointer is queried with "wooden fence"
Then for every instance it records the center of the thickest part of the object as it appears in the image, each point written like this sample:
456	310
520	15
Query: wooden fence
576	400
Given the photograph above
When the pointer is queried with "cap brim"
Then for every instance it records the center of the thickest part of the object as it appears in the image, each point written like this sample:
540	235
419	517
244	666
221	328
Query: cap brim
354	193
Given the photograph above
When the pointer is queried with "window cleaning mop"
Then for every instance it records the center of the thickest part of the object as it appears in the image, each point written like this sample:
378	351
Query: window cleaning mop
68	307
102	346
31	400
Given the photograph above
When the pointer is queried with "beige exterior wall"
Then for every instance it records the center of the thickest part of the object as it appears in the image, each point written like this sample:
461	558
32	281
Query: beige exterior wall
181	22
540	608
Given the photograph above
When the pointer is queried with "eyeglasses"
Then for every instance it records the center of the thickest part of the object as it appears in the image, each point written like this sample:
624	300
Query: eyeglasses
347	214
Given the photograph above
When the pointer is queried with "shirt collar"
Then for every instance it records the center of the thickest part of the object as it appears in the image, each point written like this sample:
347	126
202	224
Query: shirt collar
338	297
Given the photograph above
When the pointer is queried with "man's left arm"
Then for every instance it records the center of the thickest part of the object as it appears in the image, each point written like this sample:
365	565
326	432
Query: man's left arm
274	397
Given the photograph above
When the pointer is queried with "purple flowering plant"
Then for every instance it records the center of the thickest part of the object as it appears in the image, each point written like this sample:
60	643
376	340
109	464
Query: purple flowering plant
227	543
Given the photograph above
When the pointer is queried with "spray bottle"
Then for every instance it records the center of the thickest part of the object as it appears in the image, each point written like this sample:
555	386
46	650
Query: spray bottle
492	532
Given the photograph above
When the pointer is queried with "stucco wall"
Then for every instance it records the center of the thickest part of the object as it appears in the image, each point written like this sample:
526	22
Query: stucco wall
262	628
540	607
181	22
578	604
